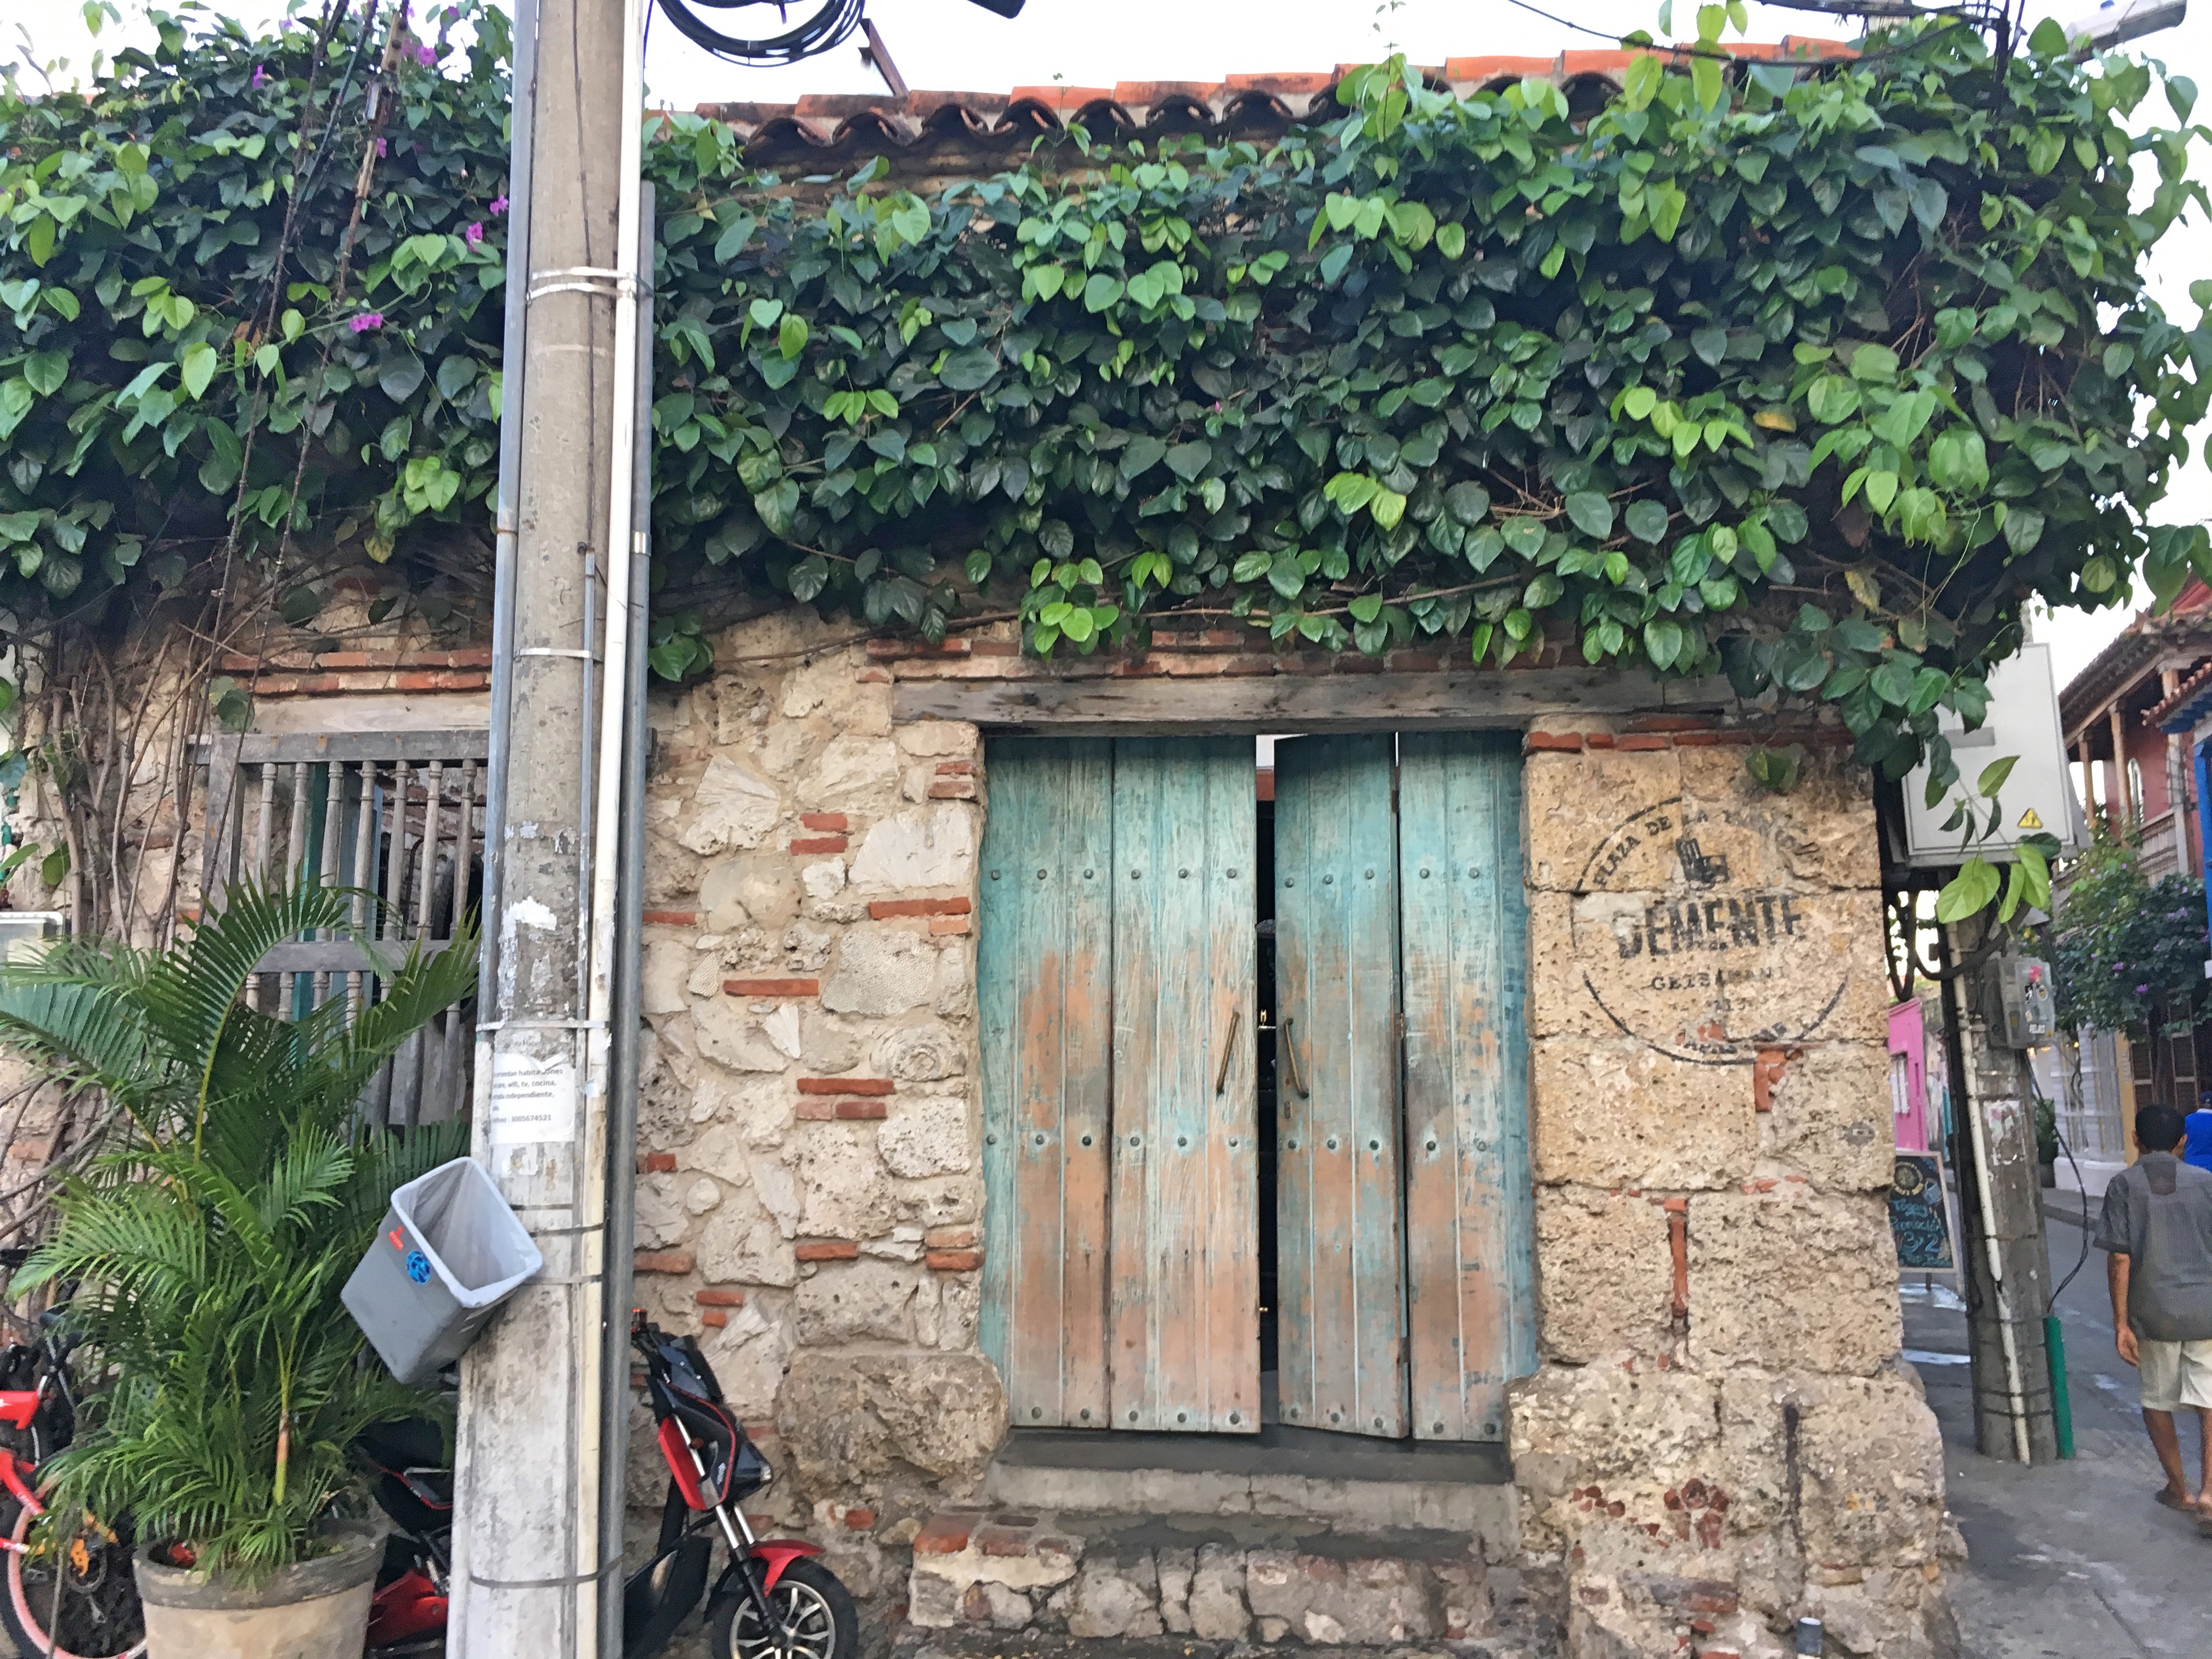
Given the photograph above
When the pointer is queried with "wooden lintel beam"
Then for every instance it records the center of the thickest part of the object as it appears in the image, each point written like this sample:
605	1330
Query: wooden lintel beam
1507	700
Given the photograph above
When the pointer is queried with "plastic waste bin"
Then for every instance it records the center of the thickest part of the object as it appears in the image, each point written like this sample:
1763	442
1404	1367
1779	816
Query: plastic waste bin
448	1252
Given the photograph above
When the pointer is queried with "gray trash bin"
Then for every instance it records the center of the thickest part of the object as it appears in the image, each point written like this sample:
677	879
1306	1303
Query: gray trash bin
449	1252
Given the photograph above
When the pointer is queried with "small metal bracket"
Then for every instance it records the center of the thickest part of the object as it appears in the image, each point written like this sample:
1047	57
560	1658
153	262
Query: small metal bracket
596	280
561	1582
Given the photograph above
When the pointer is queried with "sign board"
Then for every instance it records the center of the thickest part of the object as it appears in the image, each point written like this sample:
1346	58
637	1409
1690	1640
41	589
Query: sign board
2038	799
1920	1215
532	1099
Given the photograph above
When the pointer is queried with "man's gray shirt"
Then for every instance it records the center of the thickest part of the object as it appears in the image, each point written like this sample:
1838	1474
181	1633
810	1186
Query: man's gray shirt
2159	1211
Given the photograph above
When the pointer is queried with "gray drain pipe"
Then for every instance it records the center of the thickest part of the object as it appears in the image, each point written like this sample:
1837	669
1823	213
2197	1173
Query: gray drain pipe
625	1005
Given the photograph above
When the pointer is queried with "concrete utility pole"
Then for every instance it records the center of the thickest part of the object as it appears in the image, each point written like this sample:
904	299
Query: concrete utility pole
533	1575
2008	1265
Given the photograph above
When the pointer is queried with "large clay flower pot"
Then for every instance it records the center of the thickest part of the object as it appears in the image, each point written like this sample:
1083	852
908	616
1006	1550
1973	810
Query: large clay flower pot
315	1609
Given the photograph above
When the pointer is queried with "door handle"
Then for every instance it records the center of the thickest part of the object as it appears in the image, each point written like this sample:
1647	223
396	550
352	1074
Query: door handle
1228	1053
1291	1053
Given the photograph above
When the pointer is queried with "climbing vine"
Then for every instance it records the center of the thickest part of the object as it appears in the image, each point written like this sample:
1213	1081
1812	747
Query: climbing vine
1812	373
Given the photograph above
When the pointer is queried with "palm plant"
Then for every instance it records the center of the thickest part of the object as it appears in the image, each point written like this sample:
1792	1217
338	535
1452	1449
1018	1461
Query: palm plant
211	1243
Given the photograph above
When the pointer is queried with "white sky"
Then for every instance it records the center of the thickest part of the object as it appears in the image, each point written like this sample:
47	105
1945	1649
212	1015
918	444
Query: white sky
953	45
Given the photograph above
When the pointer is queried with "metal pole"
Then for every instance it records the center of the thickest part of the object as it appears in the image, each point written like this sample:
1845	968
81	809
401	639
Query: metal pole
629	934
530	1571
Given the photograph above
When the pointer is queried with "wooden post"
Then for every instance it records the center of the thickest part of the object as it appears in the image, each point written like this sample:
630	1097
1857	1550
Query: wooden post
2124	805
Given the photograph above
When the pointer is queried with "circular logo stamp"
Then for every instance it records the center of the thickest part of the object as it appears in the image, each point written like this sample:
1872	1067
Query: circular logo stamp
418	1266
1681	947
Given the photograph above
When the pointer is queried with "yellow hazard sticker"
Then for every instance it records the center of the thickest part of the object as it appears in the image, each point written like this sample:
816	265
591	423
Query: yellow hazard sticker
2029	821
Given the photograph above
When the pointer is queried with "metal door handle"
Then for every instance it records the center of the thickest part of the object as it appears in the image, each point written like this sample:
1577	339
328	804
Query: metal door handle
1290	1053
1228	1053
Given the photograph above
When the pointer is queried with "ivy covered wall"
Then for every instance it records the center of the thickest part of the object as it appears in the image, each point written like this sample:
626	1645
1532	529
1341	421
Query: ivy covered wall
1811	372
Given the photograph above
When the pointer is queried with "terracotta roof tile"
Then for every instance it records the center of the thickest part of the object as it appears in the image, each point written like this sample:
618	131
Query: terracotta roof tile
930	130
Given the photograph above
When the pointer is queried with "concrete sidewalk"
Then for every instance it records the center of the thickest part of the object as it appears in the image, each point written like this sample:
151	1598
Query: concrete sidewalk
2073	1560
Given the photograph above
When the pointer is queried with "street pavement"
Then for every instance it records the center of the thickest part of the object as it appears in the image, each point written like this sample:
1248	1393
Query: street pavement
2071	1560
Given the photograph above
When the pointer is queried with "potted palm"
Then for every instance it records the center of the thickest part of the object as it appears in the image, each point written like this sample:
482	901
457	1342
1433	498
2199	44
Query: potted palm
209	1246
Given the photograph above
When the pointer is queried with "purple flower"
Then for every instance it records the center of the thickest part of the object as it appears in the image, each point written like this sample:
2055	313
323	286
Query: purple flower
260	77
474	233
425	56
380	150
498	206
366	321
2143	990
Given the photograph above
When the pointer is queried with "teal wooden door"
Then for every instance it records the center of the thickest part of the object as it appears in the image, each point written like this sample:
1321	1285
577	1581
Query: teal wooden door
1184	1318
1044	977
1339	1245
1470	1215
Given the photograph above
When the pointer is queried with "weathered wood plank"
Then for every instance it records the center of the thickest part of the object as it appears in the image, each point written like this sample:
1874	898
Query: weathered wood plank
1340	1250
1503	700
1470	1220
455	743
1185	1270
1042	981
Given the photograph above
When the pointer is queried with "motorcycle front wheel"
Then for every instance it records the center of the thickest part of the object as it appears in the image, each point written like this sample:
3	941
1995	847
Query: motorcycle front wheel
814	1607
70	1588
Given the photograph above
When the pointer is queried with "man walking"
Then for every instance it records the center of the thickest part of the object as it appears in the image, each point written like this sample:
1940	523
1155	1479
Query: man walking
2157	1230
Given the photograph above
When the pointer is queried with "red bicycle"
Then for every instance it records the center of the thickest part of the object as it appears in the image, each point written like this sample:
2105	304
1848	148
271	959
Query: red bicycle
69	1592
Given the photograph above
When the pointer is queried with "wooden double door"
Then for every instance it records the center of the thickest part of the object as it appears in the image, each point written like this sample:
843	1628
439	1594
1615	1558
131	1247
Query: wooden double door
1127	1049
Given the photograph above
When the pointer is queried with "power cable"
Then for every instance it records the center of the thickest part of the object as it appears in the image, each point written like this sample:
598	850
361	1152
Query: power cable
2081	1261
830	26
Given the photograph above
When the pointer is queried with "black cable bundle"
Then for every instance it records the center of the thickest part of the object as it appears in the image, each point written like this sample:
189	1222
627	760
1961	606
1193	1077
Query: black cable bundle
831	25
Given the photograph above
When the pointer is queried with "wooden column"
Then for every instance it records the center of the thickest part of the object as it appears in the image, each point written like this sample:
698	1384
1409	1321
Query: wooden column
2124	805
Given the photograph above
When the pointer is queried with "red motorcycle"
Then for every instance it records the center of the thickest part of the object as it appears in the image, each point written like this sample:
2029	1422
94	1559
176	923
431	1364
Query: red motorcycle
772	1600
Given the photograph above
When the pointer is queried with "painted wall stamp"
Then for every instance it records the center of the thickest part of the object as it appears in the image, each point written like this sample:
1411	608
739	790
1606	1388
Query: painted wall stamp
1680	951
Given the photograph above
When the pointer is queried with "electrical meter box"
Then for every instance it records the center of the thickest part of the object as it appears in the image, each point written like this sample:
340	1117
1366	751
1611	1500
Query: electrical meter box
25	935
2021	1006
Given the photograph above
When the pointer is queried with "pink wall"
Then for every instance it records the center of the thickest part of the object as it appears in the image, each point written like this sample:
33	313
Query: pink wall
1908	1054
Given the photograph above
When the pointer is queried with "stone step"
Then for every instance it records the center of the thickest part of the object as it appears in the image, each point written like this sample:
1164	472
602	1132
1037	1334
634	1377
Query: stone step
1335	1481
1243	1577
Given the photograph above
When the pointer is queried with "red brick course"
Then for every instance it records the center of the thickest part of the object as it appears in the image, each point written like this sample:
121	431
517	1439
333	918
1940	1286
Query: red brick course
819	844
952	1261
657	1163
663	1261
713	1297
836	821
671	918
828	1250
845	1086
772	987
889	909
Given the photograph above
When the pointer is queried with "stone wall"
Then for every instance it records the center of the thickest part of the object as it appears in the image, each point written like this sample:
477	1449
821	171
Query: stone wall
810	1199
1723	1436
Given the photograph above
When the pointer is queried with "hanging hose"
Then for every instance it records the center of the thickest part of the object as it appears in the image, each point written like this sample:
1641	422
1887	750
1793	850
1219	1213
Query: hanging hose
2054	1334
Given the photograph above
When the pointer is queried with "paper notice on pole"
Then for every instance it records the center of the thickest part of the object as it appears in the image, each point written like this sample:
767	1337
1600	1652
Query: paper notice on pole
532	1099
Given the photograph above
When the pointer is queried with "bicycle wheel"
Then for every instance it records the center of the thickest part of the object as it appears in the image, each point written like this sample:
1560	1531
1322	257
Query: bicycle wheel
808	1599
70	1591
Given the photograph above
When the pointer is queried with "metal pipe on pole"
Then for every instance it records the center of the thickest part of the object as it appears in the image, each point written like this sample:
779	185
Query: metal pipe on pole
536	1551
629	947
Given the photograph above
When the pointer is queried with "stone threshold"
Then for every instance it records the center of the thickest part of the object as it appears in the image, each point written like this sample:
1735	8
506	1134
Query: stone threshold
1240	1578
1312	1454
1321	1482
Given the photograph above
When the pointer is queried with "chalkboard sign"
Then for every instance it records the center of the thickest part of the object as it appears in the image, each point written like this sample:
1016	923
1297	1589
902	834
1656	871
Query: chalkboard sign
1919	1216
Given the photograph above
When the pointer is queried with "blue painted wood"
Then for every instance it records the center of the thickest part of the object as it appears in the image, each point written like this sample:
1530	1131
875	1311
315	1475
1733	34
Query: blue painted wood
1339	1247
1184	1317
1043	972
1470	1213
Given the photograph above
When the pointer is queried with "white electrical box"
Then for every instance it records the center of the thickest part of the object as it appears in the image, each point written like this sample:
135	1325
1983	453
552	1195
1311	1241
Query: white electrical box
2022	1006
25	935
2037	799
